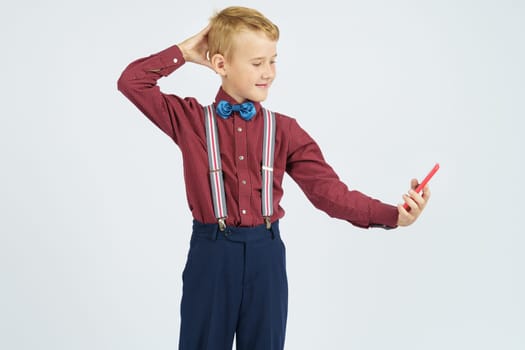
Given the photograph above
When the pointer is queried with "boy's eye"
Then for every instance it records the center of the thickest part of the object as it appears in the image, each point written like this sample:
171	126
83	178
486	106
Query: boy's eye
257	64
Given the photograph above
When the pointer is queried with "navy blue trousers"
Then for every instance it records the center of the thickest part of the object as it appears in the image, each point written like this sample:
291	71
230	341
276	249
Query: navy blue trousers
234	283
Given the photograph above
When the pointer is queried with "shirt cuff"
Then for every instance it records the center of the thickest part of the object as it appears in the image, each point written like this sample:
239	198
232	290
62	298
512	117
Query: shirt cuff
383	215
170	59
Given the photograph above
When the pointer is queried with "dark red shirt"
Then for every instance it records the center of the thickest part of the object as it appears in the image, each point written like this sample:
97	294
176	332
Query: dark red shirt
296	153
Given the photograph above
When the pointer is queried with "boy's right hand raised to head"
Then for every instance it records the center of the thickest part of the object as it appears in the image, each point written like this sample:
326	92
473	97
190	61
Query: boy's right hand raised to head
195	48
416	203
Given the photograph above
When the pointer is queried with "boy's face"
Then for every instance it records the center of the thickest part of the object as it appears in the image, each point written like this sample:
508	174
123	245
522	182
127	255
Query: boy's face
249	69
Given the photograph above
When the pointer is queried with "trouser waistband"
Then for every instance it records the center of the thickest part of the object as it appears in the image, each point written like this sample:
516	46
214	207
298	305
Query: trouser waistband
232	233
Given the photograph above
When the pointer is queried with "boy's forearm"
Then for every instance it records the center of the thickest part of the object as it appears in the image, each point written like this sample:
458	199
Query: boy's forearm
145	72
138	82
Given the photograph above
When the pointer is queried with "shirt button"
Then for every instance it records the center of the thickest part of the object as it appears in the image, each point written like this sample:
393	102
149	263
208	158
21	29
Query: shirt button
239	129
243	182
241	157
175	60
243	211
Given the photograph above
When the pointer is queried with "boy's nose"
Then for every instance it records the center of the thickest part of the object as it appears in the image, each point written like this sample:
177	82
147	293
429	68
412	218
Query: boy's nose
268	72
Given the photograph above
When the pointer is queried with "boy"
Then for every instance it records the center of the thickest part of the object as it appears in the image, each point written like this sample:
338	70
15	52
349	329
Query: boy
235	154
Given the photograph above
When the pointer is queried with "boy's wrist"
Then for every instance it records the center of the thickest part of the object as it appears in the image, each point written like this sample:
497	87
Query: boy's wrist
183	51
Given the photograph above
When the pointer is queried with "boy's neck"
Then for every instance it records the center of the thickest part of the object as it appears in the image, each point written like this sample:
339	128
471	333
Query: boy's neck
232	96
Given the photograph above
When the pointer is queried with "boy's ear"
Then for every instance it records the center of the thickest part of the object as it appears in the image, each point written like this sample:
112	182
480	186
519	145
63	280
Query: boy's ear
218	63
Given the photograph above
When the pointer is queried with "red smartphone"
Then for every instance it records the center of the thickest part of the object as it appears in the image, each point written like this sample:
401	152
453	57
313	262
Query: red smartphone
424	182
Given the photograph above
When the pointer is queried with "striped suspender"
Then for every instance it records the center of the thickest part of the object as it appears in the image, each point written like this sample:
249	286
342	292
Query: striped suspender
267	166
214	161
216	174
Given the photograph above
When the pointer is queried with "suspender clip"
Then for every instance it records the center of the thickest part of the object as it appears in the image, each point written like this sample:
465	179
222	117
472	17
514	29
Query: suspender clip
222	223
267	222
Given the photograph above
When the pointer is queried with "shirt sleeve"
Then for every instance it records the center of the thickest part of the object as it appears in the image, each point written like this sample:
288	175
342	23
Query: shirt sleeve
322	186
138	82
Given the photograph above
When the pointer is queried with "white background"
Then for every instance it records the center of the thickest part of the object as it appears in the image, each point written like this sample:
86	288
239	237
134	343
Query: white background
94	226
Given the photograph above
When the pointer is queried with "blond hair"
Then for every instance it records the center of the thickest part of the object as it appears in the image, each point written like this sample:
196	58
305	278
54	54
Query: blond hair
228	22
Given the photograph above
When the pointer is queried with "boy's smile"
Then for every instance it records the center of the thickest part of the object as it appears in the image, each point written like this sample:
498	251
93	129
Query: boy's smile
249	69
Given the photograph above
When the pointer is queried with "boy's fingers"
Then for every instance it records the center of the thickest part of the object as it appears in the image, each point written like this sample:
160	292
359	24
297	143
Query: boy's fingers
206	29
405	218
414	206
409	201
416	203
201	37
416	197
426	192
402	210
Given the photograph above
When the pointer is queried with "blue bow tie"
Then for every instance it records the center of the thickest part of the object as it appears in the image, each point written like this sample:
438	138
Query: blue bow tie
246	109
